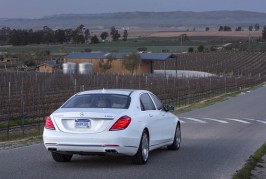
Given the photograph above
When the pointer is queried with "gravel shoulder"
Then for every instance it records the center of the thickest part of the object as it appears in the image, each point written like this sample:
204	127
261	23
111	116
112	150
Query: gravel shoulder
20	143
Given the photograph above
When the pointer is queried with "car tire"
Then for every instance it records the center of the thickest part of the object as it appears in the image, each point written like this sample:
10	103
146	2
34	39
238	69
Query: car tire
177	139
142	154
61	157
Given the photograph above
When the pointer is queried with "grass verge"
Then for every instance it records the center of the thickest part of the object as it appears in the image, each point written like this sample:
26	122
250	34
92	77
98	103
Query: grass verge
214	100
206	102
20	142
252	162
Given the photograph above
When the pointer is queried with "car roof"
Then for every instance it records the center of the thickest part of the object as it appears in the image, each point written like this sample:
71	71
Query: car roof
110	91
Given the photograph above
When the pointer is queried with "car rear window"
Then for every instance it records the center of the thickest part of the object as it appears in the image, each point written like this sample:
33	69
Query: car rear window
98	101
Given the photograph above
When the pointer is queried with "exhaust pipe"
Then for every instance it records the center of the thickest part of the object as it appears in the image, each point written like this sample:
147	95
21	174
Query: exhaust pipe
52	149
112	151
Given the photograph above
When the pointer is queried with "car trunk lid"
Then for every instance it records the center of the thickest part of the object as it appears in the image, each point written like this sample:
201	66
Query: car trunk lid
83	120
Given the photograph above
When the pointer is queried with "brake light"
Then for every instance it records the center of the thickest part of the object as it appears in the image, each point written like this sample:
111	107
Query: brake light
49	123
121	123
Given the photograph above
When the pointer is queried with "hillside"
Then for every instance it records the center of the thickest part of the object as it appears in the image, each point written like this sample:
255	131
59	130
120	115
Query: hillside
142	20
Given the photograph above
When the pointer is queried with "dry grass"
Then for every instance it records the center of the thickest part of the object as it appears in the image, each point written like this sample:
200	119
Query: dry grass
207	34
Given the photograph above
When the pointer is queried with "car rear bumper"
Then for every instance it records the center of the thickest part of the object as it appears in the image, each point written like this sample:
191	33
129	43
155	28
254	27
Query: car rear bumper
111	142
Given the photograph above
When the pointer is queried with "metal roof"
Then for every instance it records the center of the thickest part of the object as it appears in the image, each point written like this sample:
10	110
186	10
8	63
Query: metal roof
81	55
156	56
101	55
51	63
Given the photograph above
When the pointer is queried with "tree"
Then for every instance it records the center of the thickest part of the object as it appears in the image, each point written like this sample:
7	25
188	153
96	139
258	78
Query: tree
48	35
227	28
221	28
87	34
125	35
94	39
250	28
69	35
104	35
131	62
190	49
257	27
207	29
19	37
114	33
238	28
37	37
4	35
60	36
78	35
201	48
78	39
106	64
29	63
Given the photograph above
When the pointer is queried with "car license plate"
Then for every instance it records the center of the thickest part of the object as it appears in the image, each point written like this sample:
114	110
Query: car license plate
82	123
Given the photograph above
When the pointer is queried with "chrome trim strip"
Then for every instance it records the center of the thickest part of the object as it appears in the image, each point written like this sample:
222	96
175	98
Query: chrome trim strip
131	146
161	143
71	145
74	118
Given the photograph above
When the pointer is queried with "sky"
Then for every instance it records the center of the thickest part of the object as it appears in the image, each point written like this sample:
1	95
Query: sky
41	8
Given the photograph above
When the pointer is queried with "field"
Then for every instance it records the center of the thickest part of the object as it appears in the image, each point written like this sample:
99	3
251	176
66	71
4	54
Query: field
254	34
28	97
155	41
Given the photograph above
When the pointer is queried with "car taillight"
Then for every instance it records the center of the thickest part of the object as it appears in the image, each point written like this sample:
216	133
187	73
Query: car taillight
49	123
121	123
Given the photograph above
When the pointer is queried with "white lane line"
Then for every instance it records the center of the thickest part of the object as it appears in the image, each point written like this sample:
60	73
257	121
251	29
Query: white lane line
193	119
264	122
249	119
181	121
238	120
216	120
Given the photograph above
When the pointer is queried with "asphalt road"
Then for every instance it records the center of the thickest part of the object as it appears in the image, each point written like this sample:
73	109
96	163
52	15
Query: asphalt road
217	140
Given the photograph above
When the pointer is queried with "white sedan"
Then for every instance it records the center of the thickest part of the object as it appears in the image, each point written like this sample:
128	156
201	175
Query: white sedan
127	122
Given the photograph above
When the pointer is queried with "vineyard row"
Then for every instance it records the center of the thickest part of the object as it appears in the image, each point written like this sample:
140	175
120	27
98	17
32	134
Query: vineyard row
27	97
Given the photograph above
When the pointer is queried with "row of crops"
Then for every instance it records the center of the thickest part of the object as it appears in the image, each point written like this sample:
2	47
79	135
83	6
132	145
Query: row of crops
221	63
26	98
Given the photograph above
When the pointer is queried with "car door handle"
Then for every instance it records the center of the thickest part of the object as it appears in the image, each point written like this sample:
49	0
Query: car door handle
150	115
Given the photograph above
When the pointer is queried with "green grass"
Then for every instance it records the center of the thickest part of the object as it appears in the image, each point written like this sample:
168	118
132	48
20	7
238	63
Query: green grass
214	100
154	44
205	103
19	122
16	135
252	162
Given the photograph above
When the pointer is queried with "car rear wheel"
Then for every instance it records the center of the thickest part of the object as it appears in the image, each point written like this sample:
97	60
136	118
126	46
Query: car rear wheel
61	157
142	154
177	139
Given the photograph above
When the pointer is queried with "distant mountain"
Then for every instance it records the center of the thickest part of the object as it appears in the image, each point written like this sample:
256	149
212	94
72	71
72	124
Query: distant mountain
141	19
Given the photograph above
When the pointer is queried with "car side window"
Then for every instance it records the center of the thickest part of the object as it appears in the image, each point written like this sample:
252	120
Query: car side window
157	101
146	102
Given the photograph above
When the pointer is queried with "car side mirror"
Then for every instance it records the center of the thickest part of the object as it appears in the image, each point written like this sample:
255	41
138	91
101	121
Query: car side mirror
169	108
